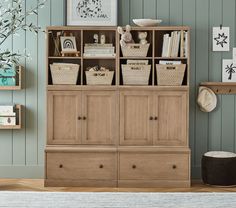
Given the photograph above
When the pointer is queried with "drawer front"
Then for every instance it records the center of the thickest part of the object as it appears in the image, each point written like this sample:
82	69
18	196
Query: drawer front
154	166
81	166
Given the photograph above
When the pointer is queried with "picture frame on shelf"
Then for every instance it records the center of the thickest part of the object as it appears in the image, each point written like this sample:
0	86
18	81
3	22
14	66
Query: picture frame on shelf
92	12
68	44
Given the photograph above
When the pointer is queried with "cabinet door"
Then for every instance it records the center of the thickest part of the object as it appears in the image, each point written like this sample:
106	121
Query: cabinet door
64	108
100	122
135	113
171	110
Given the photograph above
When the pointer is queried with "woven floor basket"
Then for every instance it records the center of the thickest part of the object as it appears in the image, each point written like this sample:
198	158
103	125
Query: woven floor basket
64	74
170	75
99	77
136	75
135	50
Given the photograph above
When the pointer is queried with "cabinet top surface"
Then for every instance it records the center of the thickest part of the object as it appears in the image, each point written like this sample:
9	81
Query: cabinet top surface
114	28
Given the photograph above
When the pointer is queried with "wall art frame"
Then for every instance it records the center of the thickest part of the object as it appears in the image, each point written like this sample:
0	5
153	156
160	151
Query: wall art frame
92	12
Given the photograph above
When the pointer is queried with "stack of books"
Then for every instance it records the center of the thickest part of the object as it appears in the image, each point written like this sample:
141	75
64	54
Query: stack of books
99	50
175	44
7	116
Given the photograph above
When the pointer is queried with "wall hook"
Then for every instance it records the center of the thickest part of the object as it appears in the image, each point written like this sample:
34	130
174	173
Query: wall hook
221	26
230	90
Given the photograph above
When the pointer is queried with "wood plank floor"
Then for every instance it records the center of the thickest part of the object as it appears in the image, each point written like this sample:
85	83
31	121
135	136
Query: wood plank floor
38	185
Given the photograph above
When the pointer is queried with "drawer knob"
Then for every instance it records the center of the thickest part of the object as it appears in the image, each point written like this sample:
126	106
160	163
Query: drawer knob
155	118
101	166
79	118
60	166
174	166
151	118
84	118
134	166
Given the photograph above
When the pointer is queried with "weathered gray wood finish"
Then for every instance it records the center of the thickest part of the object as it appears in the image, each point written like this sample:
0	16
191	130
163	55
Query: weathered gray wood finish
21	151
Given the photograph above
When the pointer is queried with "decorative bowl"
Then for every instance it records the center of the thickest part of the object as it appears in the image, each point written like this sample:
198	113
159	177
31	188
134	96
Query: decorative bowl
147	22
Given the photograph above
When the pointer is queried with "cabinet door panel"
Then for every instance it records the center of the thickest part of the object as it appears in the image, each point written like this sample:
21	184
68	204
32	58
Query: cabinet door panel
63	111
171	110
100	110
135	112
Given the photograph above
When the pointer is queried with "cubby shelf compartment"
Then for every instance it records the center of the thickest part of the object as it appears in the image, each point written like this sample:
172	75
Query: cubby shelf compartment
222	88
18	109
18	81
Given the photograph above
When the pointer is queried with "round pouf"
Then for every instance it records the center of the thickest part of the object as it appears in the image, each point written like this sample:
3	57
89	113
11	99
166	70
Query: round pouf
219	168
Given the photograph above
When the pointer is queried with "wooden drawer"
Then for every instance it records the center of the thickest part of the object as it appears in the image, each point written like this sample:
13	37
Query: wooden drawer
154	166
81	166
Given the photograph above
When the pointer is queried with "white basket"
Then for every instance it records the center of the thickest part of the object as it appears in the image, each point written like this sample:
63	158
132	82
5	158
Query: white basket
135	50
99	77
64	74
136	74
170	75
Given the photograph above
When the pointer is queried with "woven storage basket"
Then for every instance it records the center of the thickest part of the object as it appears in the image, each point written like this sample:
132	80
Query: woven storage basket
136	74
170	75
99	77
64	74
135	50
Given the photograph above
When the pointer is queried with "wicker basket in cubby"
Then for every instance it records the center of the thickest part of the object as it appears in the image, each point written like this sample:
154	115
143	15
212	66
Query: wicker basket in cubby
170	75
135	50
64	74
99	77
136	74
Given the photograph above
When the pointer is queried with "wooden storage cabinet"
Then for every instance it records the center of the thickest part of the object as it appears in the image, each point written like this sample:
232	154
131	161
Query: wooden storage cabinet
117	135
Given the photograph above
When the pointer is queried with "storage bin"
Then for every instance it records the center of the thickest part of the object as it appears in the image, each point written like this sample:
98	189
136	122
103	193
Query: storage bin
99	77
64	74
135	50
136	74
170	75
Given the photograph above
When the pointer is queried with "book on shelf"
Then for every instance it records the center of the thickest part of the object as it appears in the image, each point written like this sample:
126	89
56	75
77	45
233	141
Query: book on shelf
175	44
109	50
98	45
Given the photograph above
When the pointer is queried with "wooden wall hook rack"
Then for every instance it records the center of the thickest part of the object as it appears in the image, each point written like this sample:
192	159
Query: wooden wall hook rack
222	88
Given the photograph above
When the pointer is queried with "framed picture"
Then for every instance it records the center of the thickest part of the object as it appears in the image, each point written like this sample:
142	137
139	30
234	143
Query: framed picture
228	71
92	12
221	38
68	44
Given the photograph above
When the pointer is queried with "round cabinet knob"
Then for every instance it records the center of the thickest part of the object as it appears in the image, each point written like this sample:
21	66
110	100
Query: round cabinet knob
151	118
155	118
79	118
60	166
84	118
134	166
101	166
174	166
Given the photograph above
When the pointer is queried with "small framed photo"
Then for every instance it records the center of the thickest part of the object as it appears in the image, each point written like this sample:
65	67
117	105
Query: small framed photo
92	12
221	38
228	71
68	44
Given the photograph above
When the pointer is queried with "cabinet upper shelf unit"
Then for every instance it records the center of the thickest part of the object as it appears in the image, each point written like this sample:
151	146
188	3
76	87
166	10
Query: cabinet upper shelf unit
85	35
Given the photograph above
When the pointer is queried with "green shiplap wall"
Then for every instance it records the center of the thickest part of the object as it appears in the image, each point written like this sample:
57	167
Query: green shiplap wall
21	152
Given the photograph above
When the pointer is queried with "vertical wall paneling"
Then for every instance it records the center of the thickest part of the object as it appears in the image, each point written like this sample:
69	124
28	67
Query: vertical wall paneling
123	6
149	9
58	12
215	67
6	136
176	12
18	146
189	13
31	90
44	20
136	10
228	105
163	11
202	53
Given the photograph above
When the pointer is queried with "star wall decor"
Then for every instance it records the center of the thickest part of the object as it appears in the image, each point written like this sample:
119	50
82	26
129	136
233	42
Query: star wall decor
221	38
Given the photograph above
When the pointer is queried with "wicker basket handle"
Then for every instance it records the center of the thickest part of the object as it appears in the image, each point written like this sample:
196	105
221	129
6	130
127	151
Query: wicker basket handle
170	67
136	68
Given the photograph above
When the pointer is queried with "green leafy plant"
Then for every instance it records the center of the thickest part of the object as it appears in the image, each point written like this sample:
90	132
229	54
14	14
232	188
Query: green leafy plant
12	21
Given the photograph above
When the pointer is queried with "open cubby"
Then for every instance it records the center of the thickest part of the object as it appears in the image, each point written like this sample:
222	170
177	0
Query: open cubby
85	35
